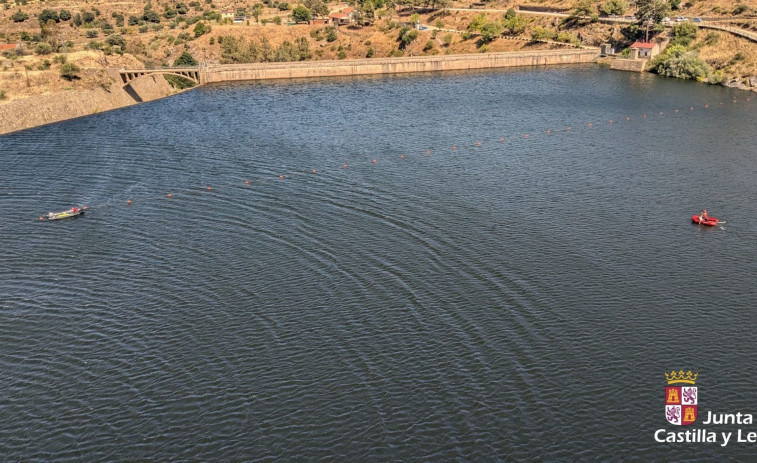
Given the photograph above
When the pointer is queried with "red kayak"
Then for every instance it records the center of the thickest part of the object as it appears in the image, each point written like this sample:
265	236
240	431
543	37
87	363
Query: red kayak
709	221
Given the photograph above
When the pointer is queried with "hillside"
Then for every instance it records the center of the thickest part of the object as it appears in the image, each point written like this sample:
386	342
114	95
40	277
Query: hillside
59	45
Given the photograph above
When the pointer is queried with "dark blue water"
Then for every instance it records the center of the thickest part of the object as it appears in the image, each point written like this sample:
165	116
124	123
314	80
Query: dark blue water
517	300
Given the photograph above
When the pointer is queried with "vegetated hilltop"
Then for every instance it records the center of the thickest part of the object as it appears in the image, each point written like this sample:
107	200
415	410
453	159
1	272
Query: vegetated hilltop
55	45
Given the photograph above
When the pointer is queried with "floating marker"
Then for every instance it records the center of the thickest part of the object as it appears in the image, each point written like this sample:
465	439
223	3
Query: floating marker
208	188
676	110
707	105
454	148
41	218
692	108
502	139
548	131
281	177
128	201
645	116
610	121
428	151
525	136
402	156
373	161
344	166
628	118
246	182
313	171
84	208
169	195
570	128
591	125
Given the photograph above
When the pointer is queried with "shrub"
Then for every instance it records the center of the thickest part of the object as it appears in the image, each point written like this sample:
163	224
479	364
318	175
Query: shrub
48	15
3	95
447	40
370	53
543	33
115	40
680	62
92	33
143	28
60	59
740	8
43	48
429	45
69	71
331	34
64	15
276	20
212	41
200	29
87	17
185	59
342	54
19	16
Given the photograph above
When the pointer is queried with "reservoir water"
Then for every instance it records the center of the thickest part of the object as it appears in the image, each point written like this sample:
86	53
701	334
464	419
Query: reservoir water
520	299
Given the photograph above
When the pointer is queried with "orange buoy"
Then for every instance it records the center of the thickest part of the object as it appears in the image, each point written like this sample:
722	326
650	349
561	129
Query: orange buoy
402	156
281	177
707	105
548	131
570	128
610	121
344	166
645	116
246	182
676	110
628	118
502	139
591	125
373	161
428	151
208	188
479	143
313	171
41	218
692	108
170	195
454	148
660	112
84	208
128	201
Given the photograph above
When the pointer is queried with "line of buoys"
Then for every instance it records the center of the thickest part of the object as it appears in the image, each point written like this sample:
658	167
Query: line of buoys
478	143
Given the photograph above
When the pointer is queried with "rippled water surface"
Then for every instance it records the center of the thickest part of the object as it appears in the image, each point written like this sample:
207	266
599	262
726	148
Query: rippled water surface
514	300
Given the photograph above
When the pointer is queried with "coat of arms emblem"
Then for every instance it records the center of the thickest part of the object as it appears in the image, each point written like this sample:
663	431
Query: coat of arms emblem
681	401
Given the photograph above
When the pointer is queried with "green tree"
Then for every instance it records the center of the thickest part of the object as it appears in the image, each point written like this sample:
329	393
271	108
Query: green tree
181	8
331	34
652	10
185	59
684	33
317	7
406	37
680	62
87	17
64	15
19	16
256	10
491	30
515	25
69	71
301	14
616	7
48	15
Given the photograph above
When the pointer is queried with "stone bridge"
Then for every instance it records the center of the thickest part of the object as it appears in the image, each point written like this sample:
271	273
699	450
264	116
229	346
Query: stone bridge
191	73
